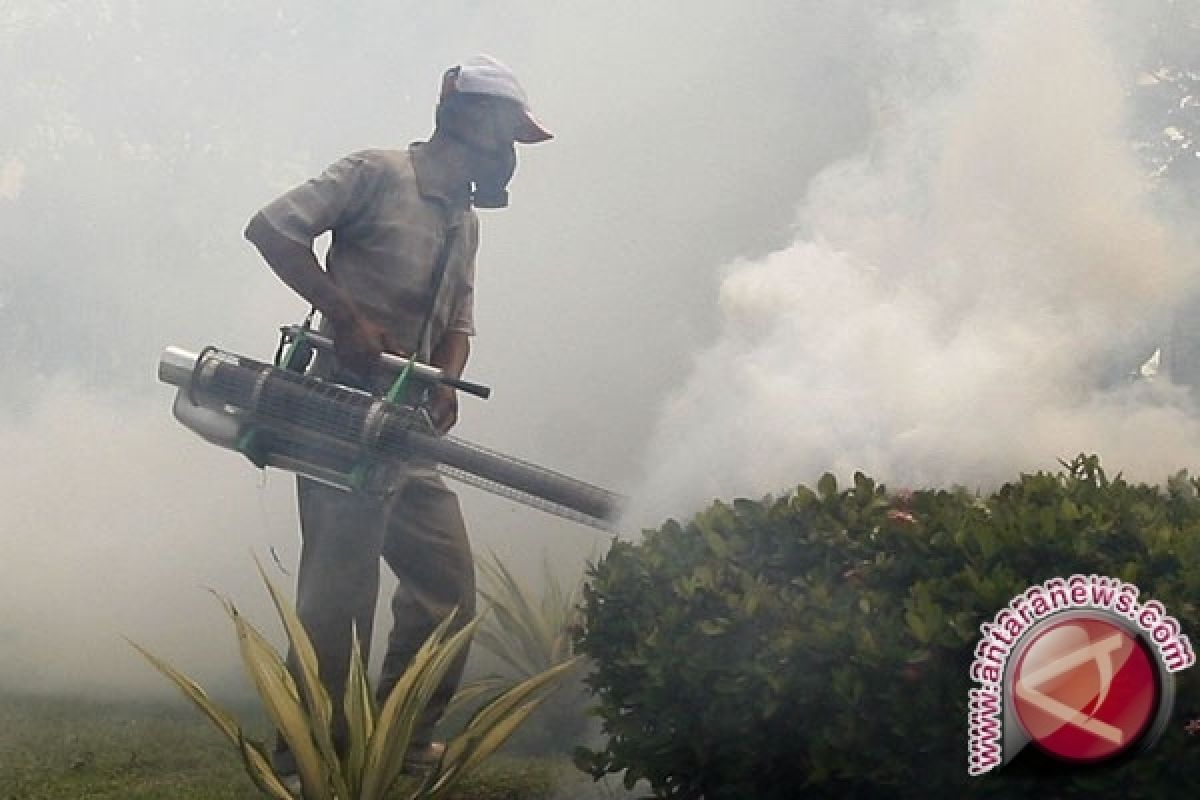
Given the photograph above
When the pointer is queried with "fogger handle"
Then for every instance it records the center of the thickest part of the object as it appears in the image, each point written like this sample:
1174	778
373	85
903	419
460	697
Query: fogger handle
395	363
470	387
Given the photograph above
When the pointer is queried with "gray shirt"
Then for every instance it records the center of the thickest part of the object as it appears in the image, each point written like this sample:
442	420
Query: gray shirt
387	234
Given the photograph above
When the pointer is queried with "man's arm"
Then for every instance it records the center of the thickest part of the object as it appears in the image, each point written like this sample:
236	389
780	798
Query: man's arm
451	355
359	340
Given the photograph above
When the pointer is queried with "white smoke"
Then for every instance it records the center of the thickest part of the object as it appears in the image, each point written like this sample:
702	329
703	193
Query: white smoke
118	535
12	177
958	299
887	338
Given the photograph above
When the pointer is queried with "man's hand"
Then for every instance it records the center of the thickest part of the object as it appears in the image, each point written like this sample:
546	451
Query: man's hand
358	342
443	407
451	355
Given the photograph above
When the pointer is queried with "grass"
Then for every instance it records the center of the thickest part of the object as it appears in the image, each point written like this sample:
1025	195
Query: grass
58	747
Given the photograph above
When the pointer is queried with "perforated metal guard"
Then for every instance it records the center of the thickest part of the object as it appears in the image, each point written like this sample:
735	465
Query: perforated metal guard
321	421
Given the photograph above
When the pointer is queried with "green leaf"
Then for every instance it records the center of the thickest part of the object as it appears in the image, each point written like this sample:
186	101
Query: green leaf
258	767
526	634
864	488
317	704
281	700
393	731
491	726
360	718
376	743
219	717
469	692
1068	510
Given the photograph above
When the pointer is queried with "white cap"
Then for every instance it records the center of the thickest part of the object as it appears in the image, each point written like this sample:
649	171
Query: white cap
485	75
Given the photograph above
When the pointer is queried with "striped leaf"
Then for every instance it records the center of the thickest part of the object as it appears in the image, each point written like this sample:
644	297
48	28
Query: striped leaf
468	693
360	718
403	706
277	690
526	634
219	717
493	724
317	704
258	767
481	746
377	740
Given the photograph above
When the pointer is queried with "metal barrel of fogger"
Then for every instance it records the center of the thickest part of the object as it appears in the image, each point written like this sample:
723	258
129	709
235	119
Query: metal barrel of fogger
305	415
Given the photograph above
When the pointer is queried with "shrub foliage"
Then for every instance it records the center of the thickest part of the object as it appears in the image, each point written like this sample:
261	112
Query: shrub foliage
818	644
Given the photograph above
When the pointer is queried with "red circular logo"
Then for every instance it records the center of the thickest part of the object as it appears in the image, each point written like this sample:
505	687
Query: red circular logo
1085	689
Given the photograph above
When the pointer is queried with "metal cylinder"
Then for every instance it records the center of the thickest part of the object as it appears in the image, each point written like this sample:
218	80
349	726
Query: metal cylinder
552	486
175	366
308	421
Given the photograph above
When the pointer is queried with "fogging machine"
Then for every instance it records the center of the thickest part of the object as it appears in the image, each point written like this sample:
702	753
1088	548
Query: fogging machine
279	416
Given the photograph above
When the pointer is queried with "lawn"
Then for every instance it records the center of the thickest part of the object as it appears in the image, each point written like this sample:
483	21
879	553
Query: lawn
55	748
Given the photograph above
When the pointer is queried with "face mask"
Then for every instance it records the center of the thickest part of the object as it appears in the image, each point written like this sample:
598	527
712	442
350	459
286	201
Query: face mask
492	174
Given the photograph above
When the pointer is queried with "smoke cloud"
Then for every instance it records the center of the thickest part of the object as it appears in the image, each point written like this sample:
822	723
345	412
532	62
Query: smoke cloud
962	301
139	138
97	497
769	239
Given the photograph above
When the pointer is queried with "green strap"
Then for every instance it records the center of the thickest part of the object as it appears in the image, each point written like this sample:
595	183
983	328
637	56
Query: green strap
399	390
396	394
248	444
358	476
291	350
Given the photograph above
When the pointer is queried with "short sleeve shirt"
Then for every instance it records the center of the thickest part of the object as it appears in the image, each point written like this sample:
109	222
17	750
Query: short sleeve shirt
387	236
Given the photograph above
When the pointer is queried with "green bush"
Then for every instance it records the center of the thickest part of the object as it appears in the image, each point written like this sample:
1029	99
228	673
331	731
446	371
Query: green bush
818	645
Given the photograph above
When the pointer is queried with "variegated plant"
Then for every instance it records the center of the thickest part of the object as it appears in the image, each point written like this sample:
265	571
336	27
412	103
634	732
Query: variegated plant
529	634
377	739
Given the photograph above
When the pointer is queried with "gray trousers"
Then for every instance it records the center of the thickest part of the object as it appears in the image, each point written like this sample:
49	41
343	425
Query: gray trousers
419	532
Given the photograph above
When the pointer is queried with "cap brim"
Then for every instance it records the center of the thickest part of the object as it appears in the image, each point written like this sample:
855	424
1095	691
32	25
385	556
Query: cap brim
532	131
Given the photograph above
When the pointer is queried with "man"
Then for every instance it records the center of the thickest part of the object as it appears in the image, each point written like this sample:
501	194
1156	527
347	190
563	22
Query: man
399	277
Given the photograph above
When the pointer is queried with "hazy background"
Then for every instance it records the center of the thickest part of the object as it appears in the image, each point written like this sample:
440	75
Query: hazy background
770	239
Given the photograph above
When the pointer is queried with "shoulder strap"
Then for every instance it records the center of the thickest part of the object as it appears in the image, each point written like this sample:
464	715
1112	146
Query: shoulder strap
423	347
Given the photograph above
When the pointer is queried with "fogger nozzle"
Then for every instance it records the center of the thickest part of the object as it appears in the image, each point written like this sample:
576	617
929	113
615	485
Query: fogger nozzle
175	366
337	434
